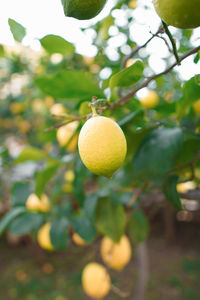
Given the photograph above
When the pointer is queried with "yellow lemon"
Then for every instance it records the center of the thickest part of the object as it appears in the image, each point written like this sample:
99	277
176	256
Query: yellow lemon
78	240
43	237
116	255
58	109
179	13
102	145
16	107
24	126
69	176
132	4
196	107
150	100
184	187
65	133
95	280
33	203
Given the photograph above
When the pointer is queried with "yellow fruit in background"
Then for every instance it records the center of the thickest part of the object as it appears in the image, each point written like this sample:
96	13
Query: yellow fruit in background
65	133
78	240
102	145
49	101
38	105
67	187
58	109
132	4
150	100
43	237
116	255
69	175
24	126
179	13
184	187
196	107
96	280
33	203
16	108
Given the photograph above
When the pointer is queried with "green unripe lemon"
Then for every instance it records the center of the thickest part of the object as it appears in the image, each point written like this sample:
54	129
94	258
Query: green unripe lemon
82	9
179	13
102	145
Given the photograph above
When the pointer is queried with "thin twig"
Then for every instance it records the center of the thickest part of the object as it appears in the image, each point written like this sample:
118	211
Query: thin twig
119	292
172	42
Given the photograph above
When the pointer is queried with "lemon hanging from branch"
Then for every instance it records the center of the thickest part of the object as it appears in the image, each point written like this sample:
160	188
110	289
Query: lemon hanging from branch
82	9
102	145
179	13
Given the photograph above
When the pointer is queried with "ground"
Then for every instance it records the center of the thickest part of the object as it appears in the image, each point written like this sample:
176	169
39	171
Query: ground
29	273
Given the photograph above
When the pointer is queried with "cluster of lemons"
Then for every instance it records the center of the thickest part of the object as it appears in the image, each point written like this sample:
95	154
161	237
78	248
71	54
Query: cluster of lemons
96	280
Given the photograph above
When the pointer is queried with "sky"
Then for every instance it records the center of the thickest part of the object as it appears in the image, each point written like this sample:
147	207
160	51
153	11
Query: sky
42	17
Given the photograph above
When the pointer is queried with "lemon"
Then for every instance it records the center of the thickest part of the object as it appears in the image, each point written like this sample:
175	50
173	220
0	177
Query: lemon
132	4
82	9
179	13
33	203
16	107
69	176
65	133
43	237
196	107
58	109
116	255
95	280
184	187
150	100
102	145
78	240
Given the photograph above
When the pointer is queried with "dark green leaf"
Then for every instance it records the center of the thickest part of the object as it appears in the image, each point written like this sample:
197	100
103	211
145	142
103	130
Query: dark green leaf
11	215
170	191
19	193
157	153
18	31
56	44
69	84
26	223
90	204
138	227
85	228
58	233
127	76
44	176
110	219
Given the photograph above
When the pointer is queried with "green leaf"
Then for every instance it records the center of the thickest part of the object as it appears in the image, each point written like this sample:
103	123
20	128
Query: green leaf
26	223
11	215
30	153
69	84
157	153
18	31
170	191
19	193
44	176
127	76
197	57
138	227
2	51
56	44
85	228
58	233
110	218
191	93
90	204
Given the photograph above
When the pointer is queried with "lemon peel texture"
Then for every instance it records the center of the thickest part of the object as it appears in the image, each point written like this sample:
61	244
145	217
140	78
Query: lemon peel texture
96	280
179	13
82	9
102	145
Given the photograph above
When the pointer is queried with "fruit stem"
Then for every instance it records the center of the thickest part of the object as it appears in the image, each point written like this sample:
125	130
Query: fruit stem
172	42
94	112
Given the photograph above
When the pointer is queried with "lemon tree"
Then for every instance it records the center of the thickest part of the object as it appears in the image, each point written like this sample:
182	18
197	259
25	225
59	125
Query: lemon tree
90	144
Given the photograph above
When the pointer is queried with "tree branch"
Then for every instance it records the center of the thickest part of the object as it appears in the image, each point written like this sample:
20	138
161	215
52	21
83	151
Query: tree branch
126	98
